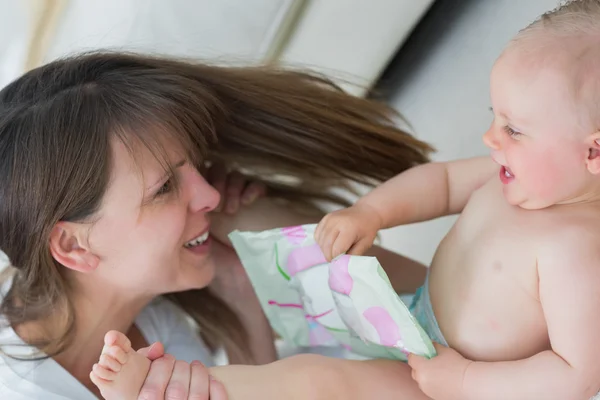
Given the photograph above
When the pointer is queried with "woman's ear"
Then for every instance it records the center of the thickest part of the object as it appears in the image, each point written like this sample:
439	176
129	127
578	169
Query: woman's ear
593	159
68	247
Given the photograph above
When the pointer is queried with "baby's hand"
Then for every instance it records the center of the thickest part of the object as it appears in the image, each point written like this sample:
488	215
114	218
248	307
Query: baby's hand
351	231
440	377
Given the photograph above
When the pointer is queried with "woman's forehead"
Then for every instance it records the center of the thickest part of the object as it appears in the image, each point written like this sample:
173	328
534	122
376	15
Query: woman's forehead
138	162
135	154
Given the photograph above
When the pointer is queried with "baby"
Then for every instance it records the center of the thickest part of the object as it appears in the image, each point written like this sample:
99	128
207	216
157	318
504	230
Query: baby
513	291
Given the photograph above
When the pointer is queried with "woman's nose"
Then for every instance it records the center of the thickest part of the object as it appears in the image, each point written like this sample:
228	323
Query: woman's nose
490	139
203	197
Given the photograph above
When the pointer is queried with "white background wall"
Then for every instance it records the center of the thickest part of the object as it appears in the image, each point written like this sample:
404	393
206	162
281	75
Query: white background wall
238	31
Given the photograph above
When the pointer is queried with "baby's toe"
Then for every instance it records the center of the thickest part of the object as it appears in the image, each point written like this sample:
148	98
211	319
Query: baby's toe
116	338
103	373
96	380
116	353
110	363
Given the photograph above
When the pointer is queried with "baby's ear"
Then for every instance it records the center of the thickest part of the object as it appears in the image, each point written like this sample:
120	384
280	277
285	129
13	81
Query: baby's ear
593	158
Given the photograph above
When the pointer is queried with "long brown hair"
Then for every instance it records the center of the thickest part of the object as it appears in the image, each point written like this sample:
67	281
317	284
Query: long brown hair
56	123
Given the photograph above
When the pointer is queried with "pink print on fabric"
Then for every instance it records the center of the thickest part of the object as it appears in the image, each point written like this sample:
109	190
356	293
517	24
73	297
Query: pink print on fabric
339	278
285	305
388	331
317	334
303	258
294	234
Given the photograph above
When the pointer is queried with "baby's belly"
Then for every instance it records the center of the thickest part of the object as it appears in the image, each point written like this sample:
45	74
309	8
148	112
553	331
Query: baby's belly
487	320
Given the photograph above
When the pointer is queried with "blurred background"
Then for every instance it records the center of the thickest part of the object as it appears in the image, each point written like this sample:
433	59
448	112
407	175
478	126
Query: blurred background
430	59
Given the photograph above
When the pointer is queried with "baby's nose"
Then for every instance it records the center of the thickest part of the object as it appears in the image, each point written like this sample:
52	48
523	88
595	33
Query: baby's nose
490	140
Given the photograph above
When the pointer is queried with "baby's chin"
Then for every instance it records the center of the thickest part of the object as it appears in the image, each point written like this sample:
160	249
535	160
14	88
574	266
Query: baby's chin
526	203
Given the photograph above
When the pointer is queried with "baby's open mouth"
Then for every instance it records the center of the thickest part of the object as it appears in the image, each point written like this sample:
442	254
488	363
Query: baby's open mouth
506	175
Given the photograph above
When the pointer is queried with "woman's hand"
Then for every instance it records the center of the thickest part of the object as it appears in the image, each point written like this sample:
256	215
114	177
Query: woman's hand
169	379
235	188
231	283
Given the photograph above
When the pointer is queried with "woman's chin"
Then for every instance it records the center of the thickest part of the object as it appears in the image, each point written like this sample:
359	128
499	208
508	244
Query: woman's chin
199	277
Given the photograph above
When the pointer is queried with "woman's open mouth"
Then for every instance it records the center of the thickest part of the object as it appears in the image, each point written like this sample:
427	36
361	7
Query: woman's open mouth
197	241
199	244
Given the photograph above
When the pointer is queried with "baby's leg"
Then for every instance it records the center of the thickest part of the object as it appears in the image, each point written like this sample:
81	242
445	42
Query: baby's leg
121	371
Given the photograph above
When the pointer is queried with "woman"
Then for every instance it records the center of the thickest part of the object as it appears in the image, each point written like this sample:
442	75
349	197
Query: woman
104	205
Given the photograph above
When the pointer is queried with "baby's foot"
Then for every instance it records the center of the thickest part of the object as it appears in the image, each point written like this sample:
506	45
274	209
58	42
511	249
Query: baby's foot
121	371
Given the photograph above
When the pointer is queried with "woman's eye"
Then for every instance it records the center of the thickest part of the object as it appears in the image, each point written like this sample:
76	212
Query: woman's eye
165	188
511	132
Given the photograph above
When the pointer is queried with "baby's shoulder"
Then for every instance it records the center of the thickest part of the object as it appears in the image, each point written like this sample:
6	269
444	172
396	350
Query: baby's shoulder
569	224
570	235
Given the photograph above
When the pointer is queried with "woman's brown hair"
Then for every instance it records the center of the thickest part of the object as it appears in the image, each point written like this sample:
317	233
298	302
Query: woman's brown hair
56	123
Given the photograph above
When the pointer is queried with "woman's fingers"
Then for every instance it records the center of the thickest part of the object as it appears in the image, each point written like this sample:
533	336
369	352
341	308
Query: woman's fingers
233	192
253	191
199	385
217	390
158	378
179	385
217	177
234	187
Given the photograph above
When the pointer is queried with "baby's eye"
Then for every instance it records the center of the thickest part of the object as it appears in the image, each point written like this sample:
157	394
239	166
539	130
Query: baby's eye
165	188
511	132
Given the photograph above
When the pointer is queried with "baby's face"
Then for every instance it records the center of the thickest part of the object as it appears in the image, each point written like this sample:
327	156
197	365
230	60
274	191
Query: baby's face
539	133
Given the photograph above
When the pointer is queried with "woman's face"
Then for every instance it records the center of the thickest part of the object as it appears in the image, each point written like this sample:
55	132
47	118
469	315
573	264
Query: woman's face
152	237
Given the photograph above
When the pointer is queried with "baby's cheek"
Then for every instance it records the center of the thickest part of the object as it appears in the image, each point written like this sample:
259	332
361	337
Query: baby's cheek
553	178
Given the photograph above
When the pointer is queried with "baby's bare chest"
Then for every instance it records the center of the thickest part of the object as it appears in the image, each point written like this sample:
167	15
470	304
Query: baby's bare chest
484	279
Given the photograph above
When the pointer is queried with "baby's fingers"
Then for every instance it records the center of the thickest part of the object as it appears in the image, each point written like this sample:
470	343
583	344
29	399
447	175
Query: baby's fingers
327	242
359	248
341	244
320	229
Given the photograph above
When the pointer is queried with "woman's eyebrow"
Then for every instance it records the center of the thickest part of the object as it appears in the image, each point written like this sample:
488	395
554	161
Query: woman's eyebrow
179	164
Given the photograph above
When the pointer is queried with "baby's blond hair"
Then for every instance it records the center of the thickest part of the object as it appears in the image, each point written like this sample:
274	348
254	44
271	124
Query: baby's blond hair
569	37
570	18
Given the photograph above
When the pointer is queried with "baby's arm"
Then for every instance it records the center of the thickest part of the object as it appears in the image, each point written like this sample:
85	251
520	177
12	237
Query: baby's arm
429	191
569	277
422	193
